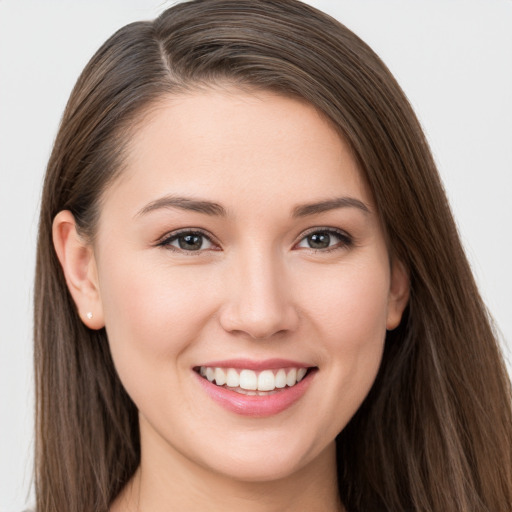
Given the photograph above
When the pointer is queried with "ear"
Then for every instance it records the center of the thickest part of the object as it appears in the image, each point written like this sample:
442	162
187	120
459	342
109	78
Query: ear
79	266
398	294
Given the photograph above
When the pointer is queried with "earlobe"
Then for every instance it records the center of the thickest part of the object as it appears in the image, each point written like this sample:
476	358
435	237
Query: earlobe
398	294
79	266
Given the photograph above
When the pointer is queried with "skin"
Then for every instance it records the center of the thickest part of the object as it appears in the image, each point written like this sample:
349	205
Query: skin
257	291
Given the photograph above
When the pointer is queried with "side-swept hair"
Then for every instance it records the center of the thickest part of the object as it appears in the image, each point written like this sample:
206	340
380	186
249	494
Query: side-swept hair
435	432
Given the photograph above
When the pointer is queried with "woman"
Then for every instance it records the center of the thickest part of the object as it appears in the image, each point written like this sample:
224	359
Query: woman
250	290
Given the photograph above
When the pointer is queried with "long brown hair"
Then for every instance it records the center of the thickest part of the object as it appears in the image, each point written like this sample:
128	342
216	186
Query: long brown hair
435	431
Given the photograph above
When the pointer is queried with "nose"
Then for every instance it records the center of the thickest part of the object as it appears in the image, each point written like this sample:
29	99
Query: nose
258	301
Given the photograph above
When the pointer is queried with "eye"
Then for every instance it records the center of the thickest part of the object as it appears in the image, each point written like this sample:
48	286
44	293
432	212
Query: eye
189	241
325	239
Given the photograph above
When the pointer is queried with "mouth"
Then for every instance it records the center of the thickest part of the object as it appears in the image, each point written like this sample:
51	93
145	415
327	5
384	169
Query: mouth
254	383
255	389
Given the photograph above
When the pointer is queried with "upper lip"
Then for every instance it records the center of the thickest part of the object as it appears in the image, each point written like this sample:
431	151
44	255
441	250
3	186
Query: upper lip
251	364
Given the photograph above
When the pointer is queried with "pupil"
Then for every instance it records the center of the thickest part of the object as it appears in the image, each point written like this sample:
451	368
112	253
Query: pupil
190	242
319	240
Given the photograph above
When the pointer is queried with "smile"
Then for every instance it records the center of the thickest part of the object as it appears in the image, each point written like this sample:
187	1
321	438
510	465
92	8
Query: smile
256	389
250	382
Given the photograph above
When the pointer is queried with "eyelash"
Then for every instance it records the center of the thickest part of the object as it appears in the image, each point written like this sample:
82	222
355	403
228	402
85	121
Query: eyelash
171	237
345	240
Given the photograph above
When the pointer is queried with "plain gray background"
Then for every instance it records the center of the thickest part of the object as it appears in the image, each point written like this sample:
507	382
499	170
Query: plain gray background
452	57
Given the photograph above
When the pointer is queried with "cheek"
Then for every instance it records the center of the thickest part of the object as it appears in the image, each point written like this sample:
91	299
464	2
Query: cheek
358	329
152	311
350	306
349	319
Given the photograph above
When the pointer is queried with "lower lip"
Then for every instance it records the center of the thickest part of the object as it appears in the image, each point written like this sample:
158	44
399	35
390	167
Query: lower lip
256	406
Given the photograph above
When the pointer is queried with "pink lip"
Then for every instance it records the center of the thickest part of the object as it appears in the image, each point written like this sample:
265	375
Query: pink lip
256	406
249	364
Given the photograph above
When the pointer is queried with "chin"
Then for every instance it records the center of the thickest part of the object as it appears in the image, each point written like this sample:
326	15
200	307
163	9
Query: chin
267	459
265	469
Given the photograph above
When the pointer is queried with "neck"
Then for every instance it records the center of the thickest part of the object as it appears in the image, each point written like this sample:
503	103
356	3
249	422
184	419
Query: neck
176	483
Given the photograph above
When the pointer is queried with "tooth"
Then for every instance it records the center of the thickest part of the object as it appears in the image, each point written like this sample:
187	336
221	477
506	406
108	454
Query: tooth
248	380
210	374
280	379
300	373
266	381
220	377
232	378
247	393
202	371
291	378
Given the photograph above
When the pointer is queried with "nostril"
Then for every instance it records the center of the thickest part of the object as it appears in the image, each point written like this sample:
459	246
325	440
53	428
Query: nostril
259	312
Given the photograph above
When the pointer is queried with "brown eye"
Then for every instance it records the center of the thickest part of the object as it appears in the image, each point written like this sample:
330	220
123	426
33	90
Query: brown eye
325	239
319	240
189	241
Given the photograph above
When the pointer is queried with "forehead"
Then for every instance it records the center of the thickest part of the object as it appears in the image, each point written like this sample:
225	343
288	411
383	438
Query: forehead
257	146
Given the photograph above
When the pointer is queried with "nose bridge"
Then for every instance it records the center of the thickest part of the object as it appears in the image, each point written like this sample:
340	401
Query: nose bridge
258	301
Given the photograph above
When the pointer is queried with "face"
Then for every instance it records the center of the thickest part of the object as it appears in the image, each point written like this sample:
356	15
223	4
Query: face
244	282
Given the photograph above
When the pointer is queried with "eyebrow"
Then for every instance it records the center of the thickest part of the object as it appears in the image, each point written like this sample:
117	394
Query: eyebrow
305	210
215	209
184	203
